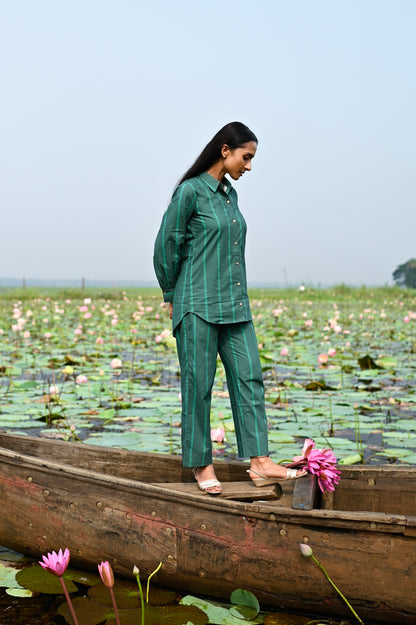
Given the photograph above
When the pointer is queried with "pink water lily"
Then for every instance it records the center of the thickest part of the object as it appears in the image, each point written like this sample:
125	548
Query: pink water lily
106	574
217	435
56	563
319	462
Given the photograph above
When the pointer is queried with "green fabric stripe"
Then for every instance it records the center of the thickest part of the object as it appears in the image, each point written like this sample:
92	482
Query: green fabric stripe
251	376
230	245
239	426
218	257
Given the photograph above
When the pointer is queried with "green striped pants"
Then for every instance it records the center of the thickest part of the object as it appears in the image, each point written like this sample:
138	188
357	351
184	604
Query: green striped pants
198	343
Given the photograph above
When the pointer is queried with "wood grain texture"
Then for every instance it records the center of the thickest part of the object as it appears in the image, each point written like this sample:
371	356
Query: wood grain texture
136	508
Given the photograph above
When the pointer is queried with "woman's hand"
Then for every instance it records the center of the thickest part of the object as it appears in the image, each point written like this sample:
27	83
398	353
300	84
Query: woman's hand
170	309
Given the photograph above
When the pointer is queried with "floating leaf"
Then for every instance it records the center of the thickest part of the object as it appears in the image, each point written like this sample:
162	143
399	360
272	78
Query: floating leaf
106	415
354	459
37	579
126	594
367	362
318	385
19	592
217	612
88	613
8	577
246	605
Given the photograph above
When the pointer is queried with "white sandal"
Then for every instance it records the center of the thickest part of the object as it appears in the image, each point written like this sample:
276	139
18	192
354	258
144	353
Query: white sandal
207	485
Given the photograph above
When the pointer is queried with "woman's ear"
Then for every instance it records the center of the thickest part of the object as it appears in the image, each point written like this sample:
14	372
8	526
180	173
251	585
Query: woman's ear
225	150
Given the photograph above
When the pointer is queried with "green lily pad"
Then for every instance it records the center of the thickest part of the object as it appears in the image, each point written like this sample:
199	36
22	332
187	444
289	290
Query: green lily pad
8	577
246	605
87	612
19	592
126	594
217	612
35	578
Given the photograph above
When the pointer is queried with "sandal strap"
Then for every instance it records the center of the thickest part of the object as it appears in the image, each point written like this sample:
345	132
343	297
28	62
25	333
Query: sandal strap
291	473
208	484
257	473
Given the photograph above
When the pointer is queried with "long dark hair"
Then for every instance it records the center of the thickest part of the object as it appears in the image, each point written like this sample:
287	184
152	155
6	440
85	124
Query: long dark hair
234	134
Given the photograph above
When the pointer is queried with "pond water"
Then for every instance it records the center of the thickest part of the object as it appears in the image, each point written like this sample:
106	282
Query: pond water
42	609
339	367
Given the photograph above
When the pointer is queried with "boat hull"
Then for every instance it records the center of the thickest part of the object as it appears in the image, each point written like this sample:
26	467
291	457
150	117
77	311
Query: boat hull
54	497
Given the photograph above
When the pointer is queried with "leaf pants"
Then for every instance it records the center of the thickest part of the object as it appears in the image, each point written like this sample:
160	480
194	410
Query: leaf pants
198	343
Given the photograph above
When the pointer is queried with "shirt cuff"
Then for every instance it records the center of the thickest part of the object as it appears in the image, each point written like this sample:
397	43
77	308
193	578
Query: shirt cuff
167	296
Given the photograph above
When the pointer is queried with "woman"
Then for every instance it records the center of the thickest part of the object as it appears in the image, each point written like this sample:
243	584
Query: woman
200	266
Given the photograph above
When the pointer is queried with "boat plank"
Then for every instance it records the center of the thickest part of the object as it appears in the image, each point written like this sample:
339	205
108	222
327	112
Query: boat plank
241	491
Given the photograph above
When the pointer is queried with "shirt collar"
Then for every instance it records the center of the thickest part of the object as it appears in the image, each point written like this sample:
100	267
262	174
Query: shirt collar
214	184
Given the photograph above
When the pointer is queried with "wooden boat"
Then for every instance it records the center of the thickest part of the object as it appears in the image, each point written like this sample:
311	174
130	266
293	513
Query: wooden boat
141	508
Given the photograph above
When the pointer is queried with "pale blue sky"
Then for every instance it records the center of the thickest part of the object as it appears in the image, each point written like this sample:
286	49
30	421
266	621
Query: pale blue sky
104	104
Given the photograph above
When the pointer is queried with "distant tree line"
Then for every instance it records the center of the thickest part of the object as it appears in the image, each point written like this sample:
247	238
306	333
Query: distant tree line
405	274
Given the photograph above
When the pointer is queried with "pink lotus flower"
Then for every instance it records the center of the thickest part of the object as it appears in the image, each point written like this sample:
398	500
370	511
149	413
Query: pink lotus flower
319	462
323	359
332	352
56	563
116	363
53	390
217	435
77	331
406	319
106	574
284	351
81	379
308	323
99	340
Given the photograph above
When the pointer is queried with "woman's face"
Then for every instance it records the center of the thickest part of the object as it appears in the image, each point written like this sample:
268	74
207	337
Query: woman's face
237	162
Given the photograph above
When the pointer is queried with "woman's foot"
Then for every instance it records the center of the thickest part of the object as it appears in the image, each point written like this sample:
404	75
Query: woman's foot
263	471
207	482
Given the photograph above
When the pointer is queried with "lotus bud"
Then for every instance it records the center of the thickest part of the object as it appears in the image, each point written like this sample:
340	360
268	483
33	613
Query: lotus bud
306	550
106	574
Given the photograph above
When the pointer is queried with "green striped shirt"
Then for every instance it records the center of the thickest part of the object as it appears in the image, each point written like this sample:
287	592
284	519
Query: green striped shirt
199	252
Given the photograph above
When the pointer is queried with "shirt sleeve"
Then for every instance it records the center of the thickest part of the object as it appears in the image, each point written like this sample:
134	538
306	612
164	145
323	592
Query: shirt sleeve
169	244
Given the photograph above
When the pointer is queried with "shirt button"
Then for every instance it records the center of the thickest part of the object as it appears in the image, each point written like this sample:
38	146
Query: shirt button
228	201
241	303
238	283
233	221
236	263
235	242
